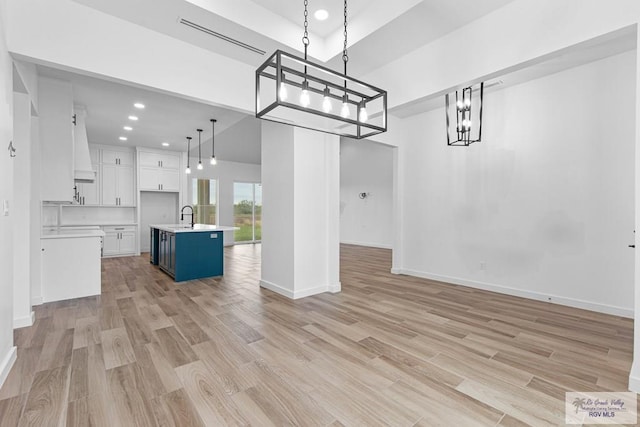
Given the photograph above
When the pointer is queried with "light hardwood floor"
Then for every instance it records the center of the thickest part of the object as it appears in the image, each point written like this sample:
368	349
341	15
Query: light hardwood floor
388	350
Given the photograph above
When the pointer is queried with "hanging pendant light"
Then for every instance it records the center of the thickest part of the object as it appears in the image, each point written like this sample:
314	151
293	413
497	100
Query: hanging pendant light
318	86
465	107
363	116
213	141
282	91
199	149
188	169
326	102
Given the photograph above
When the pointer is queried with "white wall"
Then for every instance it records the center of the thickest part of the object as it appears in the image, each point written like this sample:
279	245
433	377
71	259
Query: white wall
22	204
36	215
366	167
7	350
544	206
226	173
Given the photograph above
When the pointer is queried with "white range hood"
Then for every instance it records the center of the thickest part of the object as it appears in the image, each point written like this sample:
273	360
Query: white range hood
83	170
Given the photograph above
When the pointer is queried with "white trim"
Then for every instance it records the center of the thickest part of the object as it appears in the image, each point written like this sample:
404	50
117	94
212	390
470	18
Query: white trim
23	322
36	301
396	271
276	288
367	244
554	299
634	377
333	288
7	364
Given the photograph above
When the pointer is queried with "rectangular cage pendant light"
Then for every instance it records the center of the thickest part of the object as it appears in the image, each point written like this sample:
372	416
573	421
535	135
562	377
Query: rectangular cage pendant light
468	113
295	91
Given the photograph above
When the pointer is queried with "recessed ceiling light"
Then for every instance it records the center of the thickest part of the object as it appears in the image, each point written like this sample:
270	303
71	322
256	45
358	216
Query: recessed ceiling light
123	138
165	144
129	128
321	14
139	105
134	118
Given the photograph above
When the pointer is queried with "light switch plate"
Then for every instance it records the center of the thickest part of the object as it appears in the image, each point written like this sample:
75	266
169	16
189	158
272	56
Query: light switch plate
5	207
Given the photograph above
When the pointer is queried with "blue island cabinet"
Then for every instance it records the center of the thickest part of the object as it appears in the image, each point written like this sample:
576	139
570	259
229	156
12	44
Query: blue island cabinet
188	255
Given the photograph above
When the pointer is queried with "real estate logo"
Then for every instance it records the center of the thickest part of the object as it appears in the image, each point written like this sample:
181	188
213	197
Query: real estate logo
601	408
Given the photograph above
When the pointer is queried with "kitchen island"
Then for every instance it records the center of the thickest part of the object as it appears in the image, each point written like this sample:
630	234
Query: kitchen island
185	252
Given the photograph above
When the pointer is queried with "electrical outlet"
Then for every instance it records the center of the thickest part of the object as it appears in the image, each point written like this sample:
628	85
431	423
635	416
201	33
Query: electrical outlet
5	207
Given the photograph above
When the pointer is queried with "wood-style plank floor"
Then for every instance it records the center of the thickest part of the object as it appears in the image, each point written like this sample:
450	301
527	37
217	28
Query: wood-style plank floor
388	350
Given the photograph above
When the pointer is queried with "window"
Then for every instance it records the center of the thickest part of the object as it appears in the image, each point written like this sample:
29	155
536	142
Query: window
204	196
247	212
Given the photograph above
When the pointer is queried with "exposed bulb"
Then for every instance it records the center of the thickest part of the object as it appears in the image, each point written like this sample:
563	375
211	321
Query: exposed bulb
187	170
282	92
467	102
304	95
213	160
363	117
459	105
466	123
326	103
344	112
199	166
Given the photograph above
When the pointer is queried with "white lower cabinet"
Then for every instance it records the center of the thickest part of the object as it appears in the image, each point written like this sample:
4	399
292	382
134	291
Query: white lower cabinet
119	240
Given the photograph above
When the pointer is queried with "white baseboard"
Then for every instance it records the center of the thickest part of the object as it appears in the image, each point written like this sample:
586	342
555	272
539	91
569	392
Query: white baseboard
554	299
634	377
36	301
7	364
333	288
23	322
367	244
396	271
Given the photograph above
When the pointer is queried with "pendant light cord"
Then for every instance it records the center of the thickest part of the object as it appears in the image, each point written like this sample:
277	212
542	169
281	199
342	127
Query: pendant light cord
213	137
199	146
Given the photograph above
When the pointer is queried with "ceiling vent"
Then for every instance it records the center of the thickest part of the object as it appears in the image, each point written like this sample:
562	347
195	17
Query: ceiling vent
221	36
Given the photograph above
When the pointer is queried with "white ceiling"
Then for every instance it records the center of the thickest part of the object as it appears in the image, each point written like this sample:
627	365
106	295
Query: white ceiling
165	118
380	31
602	47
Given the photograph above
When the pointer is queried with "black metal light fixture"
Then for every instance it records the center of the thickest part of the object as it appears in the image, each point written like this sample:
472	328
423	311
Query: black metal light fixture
213	142
466	124
188	169
199	149
364	107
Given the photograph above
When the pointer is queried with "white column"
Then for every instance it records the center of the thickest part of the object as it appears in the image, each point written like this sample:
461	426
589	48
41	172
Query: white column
634	375
301	211
22	314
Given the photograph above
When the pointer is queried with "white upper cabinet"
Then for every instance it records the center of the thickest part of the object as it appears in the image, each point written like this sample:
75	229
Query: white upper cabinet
120	158
117	178
55	107
159	160
159	171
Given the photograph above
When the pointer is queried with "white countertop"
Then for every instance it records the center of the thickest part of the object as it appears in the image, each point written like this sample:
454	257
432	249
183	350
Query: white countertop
186	228
61	233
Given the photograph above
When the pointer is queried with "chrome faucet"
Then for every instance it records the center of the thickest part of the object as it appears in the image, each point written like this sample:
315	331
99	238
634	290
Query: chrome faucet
182	214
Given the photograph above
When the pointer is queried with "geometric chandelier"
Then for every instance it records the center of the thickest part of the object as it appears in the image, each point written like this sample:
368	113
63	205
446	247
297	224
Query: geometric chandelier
468	126
298	92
